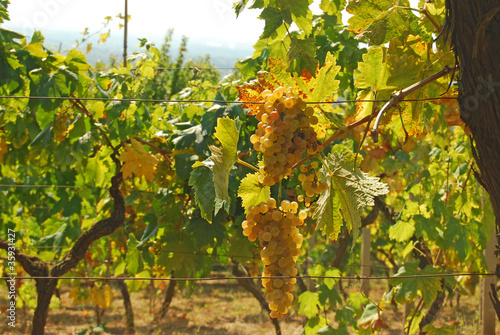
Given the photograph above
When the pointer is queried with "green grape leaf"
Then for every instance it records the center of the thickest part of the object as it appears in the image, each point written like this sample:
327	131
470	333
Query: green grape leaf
430	329
273	18
301	56
332	7
408	288
301	14
373	73
151	229
239	7
350	189
202	181
224	158
325	84
457	236
402	231
380	21
309	304
252	192
134	262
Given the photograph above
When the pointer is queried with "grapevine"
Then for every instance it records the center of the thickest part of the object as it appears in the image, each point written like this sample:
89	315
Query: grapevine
280	241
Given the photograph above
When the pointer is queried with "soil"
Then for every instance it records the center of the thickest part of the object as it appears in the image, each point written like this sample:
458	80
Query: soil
216	308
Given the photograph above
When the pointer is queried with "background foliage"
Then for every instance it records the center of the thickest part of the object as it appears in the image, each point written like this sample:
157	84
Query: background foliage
185	187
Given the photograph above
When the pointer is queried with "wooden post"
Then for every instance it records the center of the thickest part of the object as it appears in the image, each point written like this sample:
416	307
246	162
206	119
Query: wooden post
365	260
488	316
125	32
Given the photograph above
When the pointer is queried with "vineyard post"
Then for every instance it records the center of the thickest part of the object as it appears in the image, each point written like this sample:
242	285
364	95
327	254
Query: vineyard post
125	32
487	310
365	260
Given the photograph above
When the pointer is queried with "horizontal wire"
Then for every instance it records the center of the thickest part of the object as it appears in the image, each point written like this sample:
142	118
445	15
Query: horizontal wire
358	277
50	186
209	101
196	253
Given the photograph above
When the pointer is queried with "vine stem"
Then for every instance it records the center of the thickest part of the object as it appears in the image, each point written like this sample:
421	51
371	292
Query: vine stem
164	153
336	136
399	96
250	166
81	107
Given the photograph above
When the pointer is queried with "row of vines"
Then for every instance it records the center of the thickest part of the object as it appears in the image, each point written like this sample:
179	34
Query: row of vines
111	171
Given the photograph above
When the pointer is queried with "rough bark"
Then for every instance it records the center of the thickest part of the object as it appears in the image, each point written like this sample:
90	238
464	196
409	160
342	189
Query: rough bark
249	285
169	295
129	312
474	28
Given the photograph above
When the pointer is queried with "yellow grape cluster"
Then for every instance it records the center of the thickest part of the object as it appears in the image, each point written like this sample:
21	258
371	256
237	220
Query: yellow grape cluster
284	134
61	126
280	241
309	179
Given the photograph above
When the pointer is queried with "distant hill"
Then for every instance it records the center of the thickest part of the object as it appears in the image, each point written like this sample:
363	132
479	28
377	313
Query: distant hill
223	54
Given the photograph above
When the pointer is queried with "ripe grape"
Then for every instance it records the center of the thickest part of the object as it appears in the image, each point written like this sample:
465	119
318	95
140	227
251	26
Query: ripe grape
280	242
284	134
309	179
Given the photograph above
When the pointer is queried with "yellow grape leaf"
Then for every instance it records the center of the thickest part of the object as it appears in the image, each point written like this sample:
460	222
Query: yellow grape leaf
78	296
309	88
252	192
3	148
452	115
102	296
138	161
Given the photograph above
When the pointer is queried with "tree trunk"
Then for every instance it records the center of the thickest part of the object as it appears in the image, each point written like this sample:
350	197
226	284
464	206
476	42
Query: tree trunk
169	295
249	285
474	27
45	289
129	312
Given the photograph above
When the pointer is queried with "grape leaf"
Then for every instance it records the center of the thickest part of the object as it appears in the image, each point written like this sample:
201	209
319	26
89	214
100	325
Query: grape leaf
301	14
350	190
309	304
300	57
252	192
102	296
325	84
380	20
202	181
457	236
430	329
139	161
224	157
273	18
369	317
373	74
402	231
408	289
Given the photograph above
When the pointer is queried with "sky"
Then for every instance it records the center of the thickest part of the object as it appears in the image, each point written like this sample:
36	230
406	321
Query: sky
204	19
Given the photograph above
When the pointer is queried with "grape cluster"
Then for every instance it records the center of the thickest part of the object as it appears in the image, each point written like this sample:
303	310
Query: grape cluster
284	134
280	241
310	179
61	126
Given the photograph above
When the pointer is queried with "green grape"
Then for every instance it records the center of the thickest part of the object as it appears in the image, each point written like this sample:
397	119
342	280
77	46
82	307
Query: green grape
283	134
280	241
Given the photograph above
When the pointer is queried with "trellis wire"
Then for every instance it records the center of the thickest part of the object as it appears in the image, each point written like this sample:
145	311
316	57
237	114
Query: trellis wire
208	101
358	277
195	253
